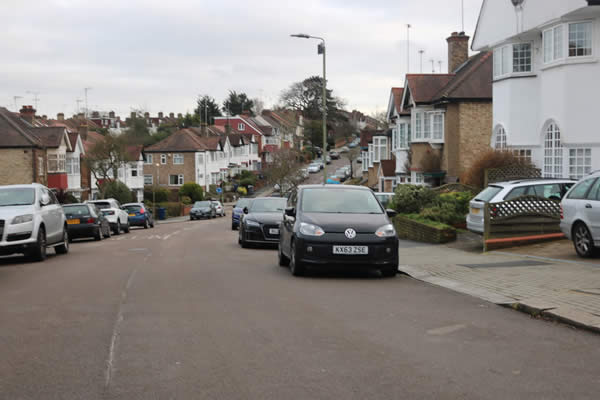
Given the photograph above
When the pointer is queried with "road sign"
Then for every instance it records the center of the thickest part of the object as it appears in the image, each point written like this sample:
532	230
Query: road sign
219	190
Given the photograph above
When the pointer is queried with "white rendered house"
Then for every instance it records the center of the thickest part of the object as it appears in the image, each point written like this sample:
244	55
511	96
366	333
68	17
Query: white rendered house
546	81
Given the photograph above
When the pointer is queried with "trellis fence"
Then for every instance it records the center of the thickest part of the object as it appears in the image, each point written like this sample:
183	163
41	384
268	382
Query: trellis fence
524	219
510	173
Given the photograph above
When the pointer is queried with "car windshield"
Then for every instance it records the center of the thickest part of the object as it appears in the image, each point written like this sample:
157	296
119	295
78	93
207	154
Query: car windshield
384	198
341	201
79	209
102	204
488	193
132	208
16	196
201	204
241	203
268	205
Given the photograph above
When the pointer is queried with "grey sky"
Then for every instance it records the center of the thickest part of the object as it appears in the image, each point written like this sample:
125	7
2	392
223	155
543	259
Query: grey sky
159	55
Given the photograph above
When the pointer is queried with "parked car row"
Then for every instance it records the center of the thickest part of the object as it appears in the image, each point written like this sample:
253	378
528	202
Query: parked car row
32	220
323	225
207	209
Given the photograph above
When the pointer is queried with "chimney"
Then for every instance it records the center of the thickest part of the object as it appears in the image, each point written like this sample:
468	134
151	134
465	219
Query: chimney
171	115
83	131
246	114
44	117
132	115
458	50
179	115
60	116
111	114
27	113
146	115
80	115
160	115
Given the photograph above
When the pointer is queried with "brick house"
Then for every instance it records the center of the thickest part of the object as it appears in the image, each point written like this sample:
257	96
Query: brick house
31	152
451	115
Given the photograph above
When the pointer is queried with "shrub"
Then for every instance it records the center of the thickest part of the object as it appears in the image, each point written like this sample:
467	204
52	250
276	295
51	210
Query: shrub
117	190
161	194
66	197
173	208
459	200
186	200
410	199
247	182
475	176
191	190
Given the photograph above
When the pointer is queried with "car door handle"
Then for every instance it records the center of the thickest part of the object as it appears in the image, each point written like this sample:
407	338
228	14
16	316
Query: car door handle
588	205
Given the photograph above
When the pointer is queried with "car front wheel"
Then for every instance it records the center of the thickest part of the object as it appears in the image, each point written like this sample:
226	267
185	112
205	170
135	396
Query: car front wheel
283	260
63	248
582	239
117	230
38	253
296	267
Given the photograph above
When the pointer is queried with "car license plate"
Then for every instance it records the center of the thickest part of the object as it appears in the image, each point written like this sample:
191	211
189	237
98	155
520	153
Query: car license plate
351	250
475	210
72	221
132	215
273	231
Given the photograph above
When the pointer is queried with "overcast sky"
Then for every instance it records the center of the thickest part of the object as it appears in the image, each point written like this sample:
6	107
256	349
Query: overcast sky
160	55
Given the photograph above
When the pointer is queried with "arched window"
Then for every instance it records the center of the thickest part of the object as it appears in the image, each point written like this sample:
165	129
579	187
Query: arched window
500	138
553	152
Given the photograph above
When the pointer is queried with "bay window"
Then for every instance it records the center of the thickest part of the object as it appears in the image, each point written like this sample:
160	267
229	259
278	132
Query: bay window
580	39
56	163
370	154
572	40
148	159
512	59
72	165
379	148
429	126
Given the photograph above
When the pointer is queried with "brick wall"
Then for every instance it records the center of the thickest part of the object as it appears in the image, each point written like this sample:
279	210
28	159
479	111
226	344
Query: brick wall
373	175
419	151
475	133
412	230
15	166
451	155
188	169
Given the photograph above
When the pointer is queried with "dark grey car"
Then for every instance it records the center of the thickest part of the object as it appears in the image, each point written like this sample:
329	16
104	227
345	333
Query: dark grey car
203	209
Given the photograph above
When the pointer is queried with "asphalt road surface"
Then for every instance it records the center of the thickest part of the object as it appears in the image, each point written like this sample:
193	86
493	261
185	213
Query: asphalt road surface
182	312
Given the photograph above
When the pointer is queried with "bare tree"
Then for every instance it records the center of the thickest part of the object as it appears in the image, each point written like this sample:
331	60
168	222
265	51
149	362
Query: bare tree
106	157
351	156
283	171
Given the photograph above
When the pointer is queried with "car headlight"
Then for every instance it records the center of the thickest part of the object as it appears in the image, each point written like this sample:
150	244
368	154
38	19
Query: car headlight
250	222
311	230
386	231
21	219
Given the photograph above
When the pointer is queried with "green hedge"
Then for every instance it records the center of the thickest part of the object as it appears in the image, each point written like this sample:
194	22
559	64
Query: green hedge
414	227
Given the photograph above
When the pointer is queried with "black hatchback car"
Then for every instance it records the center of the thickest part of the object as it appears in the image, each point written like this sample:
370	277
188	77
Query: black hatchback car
260	223
85	220
340	225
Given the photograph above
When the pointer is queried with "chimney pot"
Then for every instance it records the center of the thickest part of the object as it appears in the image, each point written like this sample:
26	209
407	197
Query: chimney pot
80	115
179	115
60	116
171	115
132	115
111	114
160	115
146	115
27	113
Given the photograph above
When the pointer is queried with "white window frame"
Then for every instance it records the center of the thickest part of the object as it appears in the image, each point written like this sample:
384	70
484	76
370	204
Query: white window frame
500	138
178	180
148	159
523	154
151	179
553	152
241	126
41	166
134	169
589	29
504	60
178	159
370	155
580	162
380	148
163	159
556	42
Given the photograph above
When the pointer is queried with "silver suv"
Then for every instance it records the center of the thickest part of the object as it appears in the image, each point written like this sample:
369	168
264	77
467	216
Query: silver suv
580	217
553	189
31	219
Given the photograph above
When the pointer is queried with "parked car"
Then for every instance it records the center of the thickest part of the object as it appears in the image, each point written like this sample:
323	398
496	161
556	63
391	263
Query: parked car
31	219
203	209
117	217
238	212
553	189
219	209
86	220
328	159
139	215
580	217
352	145
344	149
334	155
339	225
384	198
260	224
341	174
304	173
313	168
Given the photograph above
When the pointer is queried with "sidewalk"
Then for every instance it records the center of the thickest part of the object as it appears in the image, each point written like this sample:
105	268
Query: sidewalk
567	291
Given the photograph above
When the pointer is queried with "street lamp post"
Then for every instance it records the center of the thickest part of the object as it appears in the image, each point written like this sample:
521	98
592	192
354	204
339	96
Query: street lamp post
321	50
154	191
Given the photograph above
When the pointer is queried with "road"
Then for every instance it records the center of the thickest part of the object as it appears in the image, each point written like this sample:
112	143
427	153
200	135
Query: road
181	312
335	164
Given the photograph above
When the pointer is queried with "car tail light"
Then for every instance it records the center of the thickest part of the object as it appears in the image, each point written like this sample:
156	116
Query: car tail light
562	215
142	211
91	220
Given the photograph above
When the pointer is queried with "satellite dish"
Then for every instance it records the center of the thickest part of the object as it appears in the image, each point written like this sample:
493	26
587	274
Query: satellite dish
517	3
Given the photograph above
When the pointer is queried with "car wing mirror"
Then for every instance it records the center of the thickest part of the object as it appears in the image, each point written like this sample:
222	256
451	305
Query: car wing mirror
246	210
290	212
391	213
45	200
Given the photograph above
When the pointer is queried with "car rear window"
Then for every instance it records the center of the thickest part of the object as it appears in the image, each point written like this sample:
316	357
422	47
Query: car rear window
342	201
268	205
102	204
133	208
77	210
581	189
488	193
241	203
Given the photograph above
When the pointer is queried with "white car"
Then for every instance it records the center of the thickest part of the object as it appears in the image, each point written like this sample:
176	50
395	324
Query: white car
220	210
31	219
116	216
580	216
553	189
314	168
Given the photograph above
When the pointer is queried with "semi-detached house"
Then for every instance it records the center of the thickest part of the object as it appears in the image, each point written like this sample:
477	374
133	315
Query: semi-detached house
545	80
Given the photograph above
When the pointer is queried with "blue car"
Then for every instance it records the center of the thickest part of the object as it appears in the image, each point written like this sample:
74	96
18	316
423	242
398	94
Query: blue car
139	215
238	212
